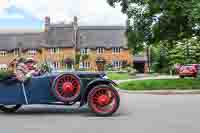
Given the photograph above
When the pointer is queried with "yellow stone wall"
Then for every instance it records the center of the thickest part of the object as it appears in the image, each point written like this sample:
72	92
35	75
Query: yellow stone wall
109	57
44	54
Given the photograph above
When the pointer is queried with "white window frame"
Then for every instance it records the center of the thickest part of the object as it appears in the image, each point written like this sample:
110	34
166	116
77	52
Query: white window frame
3	53
100	50
32	52
16	51
56	65
3	67
117	63
54	50
116	50
84	51
85	65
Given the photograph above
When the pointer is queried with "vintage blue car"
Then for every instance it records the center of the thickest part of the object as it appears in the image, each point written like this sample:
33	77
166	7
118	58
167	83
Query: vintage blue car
66	88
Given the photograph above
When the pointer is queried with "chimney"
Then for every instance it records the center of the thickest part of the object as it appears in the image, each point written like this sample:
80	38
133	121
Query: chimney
75	19
75	23
47	23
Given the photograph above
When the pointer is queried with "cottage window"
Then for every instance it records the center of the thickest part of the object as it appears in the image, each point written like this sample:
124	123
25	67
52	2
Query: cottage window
84	51
3	66
16	52
54	50
84	65
100	50
32	52
116	64
116	50
3	53
56	65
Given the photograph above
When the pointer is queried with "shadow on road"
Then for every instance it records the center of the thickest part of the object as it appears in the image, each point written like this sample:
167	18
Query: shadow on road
57	110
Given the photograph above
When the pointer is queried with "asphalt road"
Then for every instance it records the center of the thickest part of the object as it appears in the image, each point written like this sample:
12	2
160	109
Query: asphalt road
138	113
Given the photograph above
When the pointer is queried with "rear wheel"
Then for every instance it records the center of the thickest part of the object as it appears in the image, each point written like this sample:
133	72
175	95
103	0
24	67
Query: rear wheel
103	100
10	108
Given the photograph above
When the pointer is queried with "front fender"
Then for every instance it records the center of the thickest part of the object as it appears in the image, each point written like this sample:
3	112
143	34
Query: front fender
103	81
91	85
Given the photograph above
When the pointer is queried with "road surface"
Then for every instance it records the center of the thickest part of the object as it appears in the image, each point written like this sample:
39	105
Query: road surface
138	113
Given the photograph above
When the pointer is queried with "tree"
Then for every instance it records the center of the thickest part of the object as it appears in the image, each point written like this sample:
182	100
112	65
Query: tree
152	21
163	23
160	60
185	51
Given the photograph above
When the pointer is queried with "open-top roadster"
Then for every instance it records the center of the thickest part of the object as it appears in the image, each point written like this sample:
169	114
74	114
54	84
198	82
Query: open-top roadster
66	88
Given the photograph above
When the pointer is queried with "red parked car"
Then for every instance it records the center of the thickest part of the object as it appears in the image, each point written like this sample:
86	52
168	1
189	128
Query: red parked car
190	70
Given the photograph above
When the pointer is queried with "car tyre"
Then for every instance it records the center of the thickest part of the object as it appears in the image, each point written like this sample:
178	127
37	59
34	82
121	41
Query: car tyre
66	88
99	92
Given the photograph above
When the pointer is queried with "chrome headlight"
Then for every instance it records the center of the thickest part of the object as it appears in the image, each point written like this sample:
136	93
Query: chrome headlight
105	77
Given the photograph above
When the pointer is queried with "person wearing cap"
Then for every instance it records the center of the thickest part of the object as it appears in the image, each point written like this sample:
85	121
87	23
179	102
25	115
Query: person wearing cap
26	68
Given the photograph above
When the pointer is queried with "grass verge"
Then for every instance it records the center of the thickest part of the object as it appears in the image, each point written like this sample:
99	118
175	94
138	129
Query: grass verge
117	76
164	84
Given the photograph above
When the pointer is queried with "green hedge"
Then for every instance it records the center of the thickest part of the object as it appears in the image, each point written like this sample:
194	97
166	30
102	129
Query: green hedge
5	74
165	84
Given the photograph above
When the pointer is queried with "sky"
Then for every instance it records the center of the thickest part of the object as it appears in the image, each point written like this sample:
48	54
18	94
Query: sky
31	13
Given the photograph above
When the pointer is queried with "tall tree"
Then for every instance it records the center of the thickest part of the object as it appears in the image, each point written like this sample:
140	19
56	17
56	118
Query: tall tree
152	21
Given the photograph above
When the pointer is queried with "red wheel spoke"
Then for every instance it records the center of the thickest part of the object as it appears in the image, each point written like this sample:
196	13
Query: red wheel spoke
62	93
65	79
103	100
74	82
68	87
73	92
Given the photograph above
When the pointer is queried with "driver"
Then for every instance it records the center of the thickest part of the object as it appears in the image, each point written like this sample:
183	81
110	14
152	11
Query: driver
25	69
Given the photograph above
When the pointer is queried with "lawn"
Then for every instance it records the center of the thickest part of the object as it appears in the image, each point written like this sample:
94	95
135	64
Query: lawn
164	84
117	75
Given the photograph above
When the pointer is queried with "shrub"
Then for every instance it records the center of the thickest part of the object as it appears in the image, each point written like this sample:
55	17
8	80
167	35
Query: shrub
128	69
5	74
45	67
108	67
133	72
82	69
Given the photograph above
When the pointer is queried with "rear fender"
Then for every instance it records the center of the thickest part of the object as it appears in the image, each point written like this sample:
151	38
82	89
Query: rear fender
91	85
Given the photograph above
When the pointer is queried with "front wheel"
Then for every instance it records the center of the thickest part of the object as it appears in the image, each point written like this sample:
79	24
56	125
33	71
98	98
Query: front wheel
103	100
10	108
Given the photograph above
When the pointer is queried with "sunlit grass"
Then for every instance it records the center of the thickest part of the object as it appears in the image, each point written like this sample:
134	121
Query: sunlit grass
164	84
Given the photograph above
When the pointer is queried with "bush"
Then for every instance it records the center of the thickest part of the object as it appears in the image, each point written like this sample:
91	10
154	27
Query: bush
45	67
128	69
5	74
108	67
82	69
133	72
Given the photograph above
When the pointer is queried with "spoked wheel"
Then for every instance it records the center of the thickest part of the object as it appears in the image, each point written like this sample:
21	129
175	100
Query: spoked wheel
10	108
103	100
67	88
